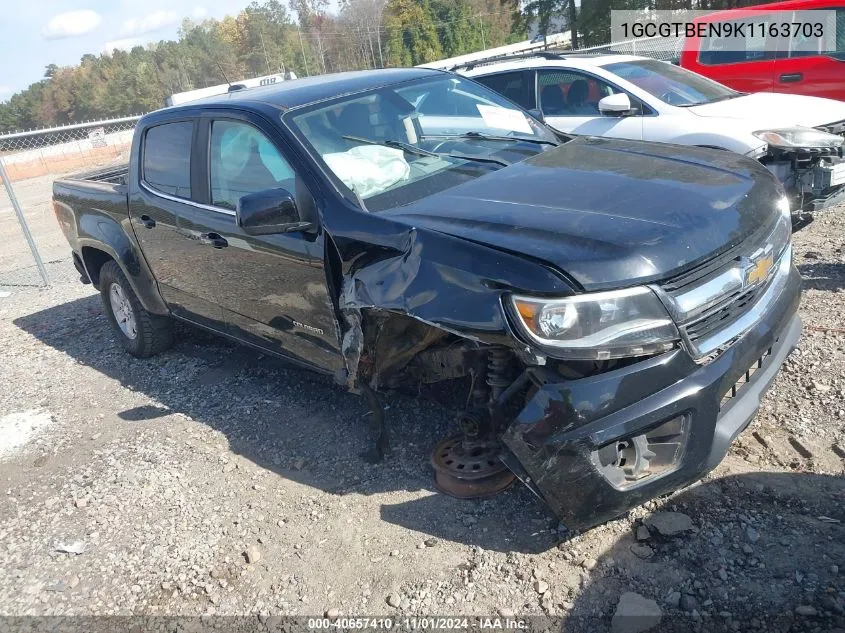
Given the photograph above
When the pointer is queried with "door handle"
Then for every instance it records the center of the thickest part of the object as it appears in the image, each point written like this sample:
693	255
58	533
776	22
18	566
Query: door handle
791	78
147	221
213	239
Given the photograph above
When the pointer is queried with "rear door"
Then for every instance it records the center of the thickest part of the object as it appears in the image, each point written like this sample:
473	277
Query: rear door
811	65
271	289
569	100
168	190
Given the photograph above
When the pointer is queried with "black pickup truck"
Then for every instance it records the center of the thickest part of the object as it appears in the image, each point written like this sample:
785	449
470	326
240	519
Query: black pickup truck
615	310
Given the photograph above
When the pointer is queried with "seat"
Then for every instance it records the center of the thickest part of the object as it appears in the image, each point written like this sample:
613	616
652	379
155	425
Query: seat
552	100
577	98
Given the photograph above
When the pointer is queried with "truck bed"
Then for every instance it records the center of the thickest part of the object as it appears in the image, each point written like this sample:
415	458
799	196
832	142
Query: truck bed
115	175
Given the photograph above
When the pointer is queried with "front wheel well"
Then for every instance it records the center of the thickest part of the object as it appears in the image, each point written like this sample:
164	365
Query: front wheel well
94	260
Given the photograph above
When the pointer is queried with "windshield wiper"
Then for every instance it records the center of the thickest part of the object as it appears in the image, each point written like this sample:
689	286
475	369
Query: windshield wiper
716	100
391	143
493	137
424	152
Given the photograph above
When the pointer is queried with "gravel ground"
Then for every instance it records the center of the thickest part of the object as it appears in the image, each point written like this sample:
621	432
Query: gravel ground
215	480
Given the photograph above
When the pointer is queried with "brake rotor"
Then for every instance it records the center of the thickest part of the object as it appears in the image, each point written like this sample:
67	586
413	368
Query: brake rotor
469	469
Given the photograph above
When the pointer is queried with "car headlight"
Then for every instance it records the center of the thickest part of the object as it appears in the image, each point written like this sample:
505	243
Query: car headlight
783	207
598	325
796	137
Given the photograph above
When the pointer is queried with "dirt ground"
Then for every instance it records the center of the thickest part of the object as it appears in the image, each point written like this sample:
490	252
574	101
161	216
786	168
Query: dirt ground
212	479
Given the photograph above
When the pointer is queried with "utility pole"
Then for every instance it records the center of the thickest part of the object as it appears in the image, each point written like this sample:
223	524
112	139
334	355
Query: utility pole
302	45
264	46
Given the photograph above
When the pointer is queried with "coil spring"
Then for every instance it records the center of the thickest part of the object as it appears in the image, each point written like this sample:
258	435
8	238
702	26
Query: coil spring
498	370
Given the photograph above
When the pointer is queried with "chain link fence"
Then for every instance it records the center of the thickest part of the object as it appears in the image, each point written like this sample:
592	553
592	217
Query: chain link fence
667	49
36	252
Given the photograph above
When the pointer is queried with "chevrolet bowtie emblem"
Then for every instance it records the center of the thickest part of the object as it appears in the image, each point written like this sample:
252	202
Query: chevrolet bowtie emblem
758	271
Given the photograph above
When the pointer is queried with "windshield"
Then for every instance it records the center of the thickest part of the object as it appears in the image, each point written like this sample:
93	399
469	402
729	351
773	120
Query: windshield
397	144
671	84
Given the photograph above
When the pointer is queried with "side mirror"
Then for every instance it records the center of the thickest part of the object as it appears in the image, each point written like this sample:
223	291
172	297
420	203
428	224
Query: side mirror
268	212
615	105
537	113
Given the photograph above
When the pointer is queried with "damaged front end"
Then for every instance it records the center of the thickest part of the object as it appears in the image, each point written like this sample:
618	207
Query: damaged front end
597	401
810	163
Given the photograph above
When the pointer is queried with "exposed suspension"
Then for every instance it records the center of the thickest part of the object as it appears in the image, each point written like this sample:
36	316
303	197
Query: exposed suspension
499	370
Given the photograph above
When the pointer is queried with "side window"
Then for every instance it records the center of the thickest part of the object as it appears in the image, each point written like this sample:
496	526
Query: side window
803	44
735	49
167	158
569	93
243	161
510	85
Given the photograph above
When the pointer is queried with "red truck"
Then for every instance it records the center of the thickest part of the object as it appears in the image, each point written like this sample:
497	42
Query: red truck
772	61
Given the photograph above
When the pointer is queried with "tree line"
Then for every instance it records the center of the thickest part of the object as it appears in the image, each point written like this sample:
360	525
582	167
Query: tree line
302	37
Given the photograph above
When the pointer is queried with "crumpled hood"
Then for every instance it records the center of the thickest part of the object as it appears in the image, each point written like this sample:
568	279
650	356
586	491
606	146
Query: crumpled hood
772	110
609	213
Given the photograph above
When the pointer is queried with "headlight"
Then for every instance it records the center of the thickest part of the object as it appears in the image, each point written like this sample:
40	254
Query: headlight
598	325
794	137
785	211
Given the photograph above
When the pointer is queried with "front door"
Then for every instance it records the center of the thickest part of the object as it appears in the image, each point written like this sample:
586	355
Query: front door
570	103
167	193
271	289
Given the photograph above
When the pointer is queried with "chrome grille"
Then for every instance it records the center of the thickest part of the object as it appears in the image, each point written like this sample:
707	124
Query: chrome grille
724	315
714	305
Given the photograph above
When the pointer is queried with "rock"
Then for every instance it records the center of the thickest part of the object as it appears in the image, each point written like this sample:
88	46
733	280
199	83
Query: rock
394	552
806	610
747	549
298	464
751	534
834	569
431	542
674	599
394	600
642	533
541	586
58	587
723	574
73	582
589	563
77	547
642	551
333	613
821	387
506	613
669	523
635	614
688	603
252	554
80	502
812	255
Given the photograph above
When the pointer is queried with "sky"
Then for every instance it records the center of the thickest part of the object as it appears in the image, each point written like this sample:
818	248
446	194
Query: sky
36	33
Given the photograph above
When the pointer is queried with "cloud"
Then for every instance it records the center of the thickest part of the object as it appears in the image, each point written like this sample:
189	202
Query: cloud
5	92
149	23
71	24
200	13
124	44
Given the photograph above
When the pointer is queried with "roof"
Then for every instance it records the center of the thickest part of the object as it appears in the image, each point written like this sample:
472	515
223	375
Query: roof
565	61
791	5
303	91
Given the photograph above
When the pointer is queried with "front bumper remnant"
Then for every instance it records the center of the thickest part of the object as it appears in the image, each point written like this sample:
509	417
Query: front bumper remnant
596	447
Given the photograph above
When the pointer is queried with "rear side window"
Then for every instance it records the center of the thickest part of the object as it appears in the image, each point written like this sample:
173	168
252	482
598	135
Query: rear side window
733	49
167	158
510	85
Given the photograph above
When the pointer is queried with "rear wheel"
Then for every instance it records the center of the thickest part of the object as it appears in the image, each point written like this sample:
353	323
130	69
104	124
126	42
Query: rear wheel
141	333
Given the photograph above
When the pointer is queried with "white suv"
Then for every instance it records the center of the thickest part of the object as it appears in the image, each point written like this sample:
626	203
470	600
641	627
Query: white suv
800	139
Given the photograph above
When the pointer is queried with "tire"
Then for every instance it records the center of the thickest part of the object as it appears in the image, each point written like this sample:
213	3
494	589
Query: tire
141	333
